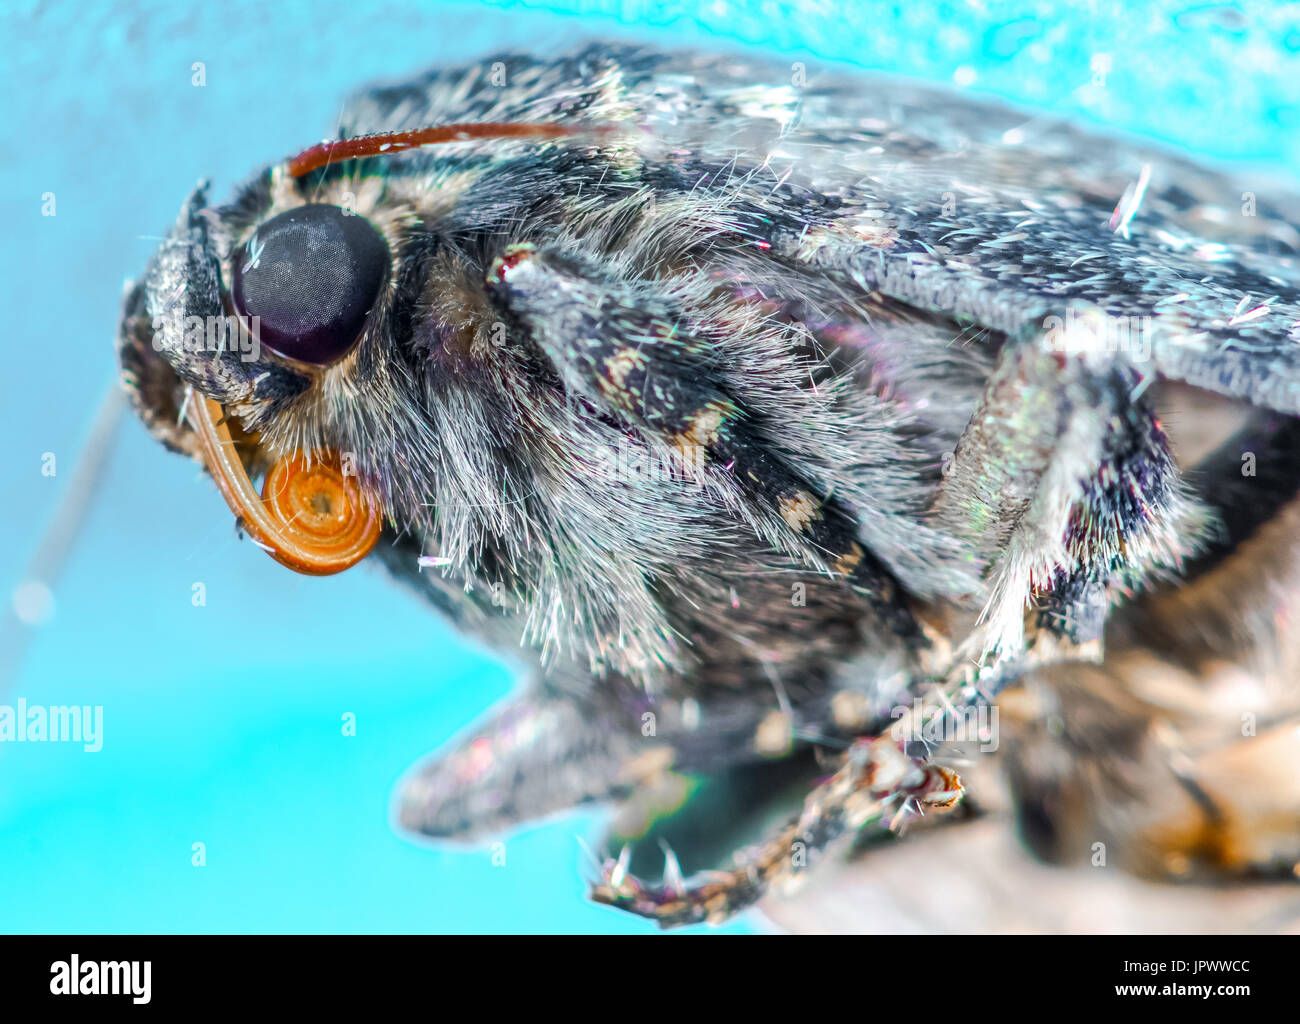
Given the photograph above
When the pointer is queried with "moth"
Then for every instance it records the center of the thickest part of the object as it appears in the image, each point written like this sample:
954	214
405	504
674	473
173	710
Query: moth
762	416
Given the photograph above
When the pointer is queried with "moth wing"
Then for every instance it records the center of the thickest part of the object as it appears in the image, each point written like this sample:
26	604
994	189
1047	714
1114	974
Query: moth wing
1017	222
1013	221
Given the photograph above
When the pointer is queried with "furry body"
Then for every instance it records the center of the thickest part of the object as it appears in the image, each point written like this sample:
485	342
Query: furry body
756	417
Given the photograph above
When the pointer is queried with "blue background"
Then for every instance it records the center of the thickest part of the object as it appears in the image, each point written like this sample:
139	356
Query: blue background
223	722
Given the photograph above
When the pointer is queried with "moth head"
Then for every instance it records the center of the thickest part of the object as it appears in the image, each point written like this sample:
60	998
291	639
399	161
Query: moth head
261	340
222	338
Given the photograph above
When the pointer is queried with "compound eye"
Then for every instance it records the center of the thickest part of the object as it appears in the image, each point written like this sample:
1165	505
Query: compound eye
311	276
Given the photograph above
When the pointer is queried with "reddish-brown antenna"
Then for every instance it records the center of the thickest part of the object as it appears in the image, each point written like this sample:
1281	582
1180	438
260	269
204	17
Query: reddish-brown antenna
394	142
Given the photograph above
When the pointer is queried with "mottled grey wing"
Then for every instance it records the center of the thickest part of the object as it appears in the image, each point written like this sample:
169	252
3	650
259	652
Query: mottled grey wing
966	209
989	216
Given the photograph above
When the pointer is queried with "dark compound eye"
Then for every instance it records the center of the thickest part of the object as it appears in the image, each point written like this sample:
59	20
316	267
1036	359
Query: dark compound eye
311	276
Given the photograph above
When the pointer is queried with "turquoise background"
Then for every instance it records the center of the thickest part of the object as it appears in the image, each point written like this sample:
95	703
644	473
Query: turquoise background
223	722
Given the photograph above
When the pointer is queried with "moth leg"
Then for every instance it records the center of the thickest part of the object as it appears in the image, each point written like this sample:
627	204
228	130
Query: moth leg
1064	484
882	778
875	775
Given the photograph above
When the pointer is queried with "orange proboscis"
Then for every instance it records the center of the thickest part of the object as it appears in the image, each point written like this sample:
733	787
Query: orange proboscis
310	516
